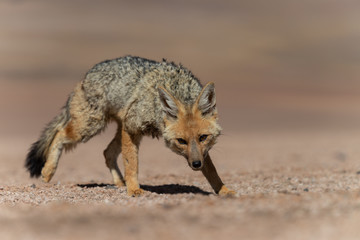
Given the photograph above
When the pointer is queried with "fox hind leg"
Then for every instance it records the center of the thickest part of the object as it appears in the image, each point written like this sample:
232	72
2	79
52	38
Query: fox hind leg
53	155
83	116
111	154
65	138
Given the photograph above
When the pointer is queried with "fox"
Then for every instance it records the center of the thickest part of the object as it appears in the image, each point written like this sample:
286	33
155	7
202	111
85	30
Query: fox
145	98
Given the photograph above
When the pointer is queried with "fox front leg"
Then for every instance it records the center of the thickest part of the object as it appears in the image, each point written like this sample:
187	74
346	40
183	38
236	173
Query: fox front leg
212	176
130	148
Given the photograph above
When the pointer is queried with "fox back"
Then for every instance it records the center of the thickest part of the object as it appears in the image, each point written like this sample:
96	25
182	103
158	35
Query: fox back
127	87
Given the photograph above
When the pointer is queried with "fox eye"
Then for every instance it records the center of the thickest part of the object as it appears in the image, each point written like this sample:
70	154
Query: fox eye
203	137
181	141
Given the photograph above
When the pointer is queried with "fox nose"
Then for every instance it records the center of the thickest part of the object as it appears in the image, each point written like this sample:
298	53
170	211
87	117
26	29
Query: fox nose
196	164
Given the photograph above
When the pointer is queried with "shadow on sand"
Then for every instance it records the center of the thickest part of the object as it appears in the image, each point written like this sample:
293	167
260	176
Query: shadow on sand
159	189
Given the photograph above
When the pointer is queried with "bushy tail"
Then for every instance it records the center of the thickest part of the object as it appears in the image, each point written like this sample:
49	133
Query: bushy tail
37	155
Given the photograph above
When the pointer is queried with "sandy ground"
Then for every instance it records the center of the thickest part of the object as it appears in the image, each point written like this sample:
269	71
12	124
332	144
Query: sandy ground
287	92
291	186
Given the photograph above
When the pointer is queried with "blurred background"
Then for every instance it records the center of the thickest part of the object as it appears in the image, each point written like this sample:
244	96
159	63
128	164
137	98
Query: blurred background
276	64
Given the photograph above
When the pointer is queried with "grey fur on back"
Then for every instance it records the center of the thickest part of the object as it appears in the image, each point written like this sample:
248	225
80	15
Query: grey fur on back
127	88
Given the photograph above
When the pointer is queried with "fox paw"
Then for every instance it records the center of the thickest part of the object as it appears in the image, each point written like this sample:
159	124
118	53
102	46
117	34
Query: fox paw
135	192
225	192
46	175
119	183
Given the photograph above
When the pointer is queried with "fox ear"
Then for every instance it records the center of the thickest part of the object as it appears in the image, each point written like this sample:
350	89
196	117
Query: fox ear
168	103
206	101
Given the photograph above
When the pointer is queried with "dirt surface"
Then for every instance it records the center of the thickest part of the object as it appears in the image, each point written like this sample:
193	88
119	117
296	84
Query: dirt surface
287	92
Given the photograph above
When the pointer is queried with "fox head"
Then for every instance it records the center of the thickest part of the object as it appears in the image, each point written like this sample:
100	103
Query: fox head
191	130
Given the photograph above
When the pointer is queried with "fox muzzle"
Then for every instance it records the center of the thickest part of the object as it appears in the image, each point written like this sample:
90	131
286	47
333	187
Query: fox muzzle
195	159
